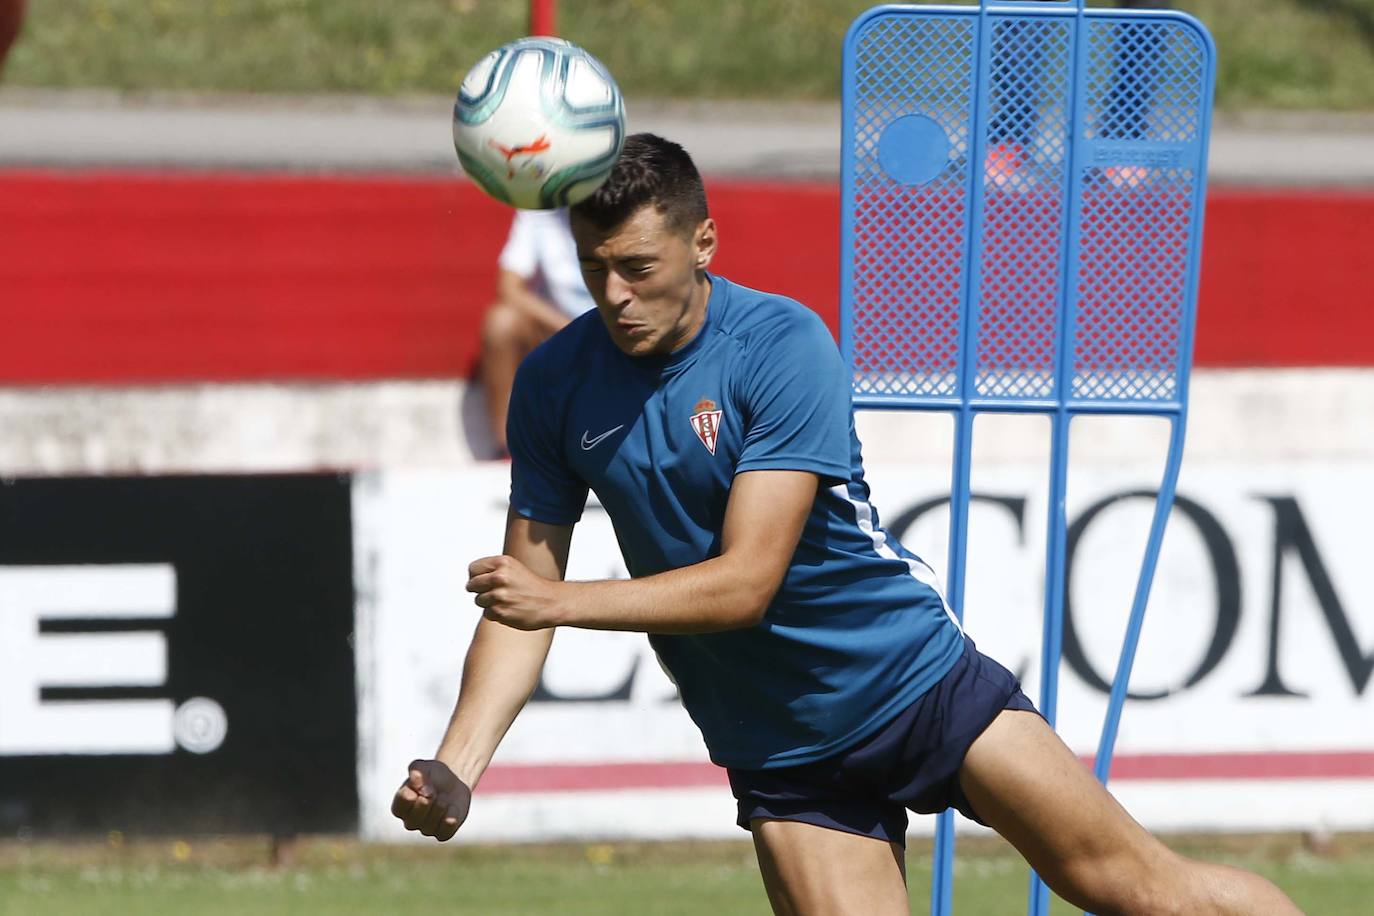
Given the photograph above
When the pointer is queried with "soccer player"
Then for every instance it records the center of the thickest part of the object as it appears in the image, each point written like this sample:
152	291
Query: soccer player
816	655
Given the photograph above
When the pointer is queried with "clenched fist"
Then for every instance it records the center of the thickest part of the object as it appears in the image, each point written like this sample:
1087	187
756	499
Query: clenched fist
509	592
432	800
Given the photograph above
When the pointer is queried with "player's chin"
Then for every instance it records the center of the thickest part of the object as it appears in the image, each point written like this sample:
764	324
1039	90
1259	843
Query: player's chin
637	345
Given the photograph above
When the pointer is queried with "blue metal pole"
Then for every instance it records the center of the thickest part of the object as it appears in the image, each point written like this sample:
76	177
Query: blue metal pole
1052	644
1052	640
942	880
1102	765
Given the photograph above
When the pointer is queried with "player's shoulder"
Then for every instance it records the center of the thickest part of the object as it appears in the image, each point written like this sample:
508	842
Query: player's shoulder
758	318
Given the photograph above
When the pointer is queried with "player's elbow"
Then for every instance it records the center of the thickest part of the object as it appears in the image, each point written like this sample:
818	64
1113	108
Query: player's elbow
752	583
740	615
756	597
752	611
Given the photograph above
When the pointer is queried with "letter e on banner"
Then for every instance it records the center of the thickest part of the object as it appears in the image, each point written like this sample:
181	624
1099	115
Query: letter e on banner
31	660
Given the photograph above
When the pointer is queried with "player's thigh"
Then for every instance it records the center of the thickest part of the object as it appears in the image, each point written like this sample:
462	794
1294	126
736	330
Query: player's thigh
817	871
1028	786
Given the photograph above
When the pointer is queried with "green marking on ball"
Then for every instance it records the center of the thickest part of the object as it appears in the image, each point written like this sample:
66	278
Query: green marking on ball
478	171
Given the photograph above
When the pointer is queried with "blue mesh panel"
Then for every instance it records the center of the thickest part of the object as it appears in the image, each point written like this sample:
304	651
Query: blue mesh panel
1049	207
1026	172
910	239
1144	105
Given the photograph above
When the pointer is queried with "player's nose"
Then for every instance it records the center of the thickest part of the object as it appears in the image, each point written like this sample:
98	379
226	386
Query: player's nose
618	291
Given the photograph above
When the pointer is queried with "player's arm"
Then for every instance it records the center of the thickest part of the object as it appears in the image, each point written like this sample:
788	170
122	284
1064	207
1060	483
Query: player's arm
763	523
501	671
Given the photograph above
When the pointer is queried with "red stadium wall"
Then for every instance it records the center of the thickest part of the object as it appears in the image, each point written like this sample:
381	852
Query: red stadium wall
127	278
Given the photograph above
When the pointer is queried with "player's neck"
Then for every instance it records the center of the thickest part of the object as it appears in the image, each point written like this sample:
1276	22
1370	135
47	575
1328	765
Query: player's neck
694	319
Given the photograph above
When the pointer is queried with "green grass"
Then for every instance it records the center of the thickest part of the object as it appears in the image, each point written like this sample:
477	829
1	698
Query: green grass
342	878
1274	53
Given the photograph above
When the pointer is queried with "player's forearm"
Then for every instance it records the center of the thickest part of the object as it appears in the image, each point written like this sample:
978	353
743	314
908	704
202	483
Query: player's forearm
723	593
501	671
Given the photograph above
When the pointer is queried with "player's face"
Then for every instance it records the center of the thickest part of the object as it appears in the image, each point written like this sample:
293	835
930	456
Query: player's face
648	279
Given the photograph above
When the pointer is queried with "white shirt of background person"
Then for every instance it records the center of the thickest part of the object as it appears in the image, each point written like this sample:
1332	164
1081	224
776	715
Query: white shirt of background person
540	248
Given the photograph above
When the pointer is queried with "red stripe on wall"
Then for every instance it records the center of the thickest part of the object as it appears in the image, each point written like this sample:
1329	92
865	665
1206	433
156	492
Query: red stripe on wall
594	777
129	278
126	278
1272	765
606	777
1285	279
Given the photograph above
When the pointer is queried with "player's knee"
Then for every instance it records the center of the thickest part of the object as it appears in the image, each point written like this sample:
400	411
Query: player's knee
1128	885
1113	896
1205	887
503	326
1149	899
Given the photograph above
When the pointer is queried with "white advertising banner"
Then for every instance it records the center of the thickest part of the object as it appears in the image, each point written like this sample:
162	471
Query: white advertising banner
1253	705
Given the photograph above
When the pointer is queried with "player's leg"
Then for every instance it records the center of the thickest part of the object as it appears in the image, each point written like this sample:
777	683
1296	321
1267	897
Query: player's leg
1027	785
818	871
508	335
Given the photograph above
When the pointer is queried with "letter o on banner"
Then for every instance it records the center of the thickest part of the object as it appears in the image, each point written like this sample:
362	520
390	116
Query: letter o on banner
1225	567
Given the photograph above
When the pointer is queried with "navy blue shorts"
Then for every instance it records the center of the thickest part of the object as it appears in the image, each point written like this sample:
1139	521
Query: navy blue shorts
912	762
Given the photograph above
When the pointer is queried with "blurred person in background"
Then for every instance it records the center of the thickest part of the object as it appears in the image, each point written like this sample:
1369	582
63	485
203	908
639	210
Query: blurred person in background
539	290
1017	101
11	19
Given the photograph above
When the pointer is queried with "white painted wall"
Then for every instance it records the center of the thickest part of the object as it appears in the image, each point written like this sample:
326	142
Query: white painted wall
430	507
416	532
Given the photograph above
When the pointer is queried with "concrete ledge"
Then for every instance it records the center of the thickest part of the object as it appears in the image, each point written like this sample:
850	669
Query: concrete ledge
1248	416
89	129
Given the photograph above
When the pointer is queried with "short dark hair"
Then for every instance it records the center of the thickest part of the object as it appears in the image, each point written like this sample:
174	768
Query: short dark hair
650	170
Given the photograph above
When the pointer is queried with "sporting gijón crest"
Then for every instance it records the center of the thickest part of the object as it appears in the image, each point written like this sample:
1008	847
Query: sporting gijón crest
706	423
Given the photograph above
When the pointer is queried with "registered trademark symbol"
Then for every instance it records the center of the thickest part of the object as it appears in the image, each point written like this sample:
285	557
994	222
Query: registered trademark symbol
200	725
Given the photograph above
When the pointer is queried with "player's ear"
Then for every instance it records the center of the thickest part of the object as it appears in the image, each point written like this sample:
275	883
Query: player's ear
704	243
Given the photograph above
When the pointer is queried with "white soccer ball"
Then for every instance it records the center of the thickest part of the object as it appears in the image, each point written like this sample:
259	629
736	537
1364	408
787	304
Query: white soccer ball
538	123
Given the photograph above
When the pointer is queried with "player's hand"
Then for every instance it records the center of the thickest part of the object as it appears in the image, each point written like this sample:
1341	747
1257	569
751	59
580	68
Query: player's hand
432	800
510	593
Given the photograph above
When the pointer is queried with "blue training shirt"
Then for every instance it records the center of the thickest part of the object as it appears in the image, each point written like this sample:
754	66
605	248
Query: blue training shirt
856	632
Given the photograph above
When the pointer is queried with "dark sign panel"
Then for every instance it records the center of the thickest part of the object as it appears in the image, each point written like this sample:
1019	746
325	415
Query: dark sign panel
176	655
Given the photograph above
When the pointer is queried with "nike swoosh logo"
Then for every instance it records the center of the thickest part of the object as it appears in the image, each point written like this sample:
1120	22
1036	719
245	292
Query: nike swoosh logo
589	444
